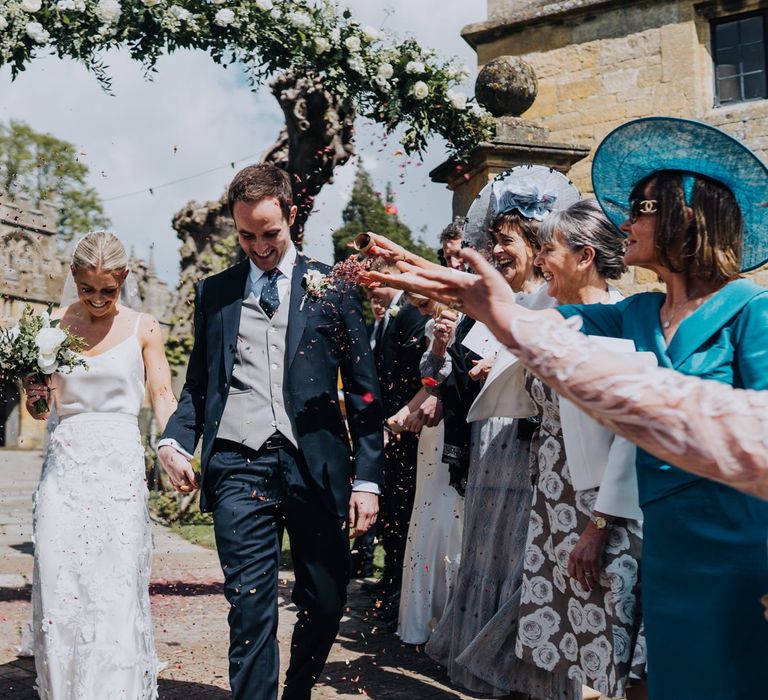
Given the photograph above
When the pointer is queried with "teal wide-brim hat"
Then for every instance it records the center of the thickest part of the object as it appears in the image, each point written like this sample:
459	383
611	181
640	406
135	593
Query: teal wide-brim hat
533	191
637	149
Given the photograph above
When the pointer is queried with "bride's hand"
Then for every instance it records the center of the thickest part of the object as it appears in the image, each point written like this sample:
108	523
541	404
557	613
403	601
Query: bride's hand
36	391
179	470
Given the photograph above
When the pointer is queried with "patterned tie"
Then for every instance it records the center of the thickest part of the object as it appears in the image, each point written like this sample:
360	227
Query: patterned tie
269	299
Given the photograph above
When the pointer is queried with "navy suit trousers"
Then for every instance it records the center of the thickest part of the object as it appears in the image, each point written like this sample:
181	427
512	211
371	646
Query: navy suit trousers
253	496
398	494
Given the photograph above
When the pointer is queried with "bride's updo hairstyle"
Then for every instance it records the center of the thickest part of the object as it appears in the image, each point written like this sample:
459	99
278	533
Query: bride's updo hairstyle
100	250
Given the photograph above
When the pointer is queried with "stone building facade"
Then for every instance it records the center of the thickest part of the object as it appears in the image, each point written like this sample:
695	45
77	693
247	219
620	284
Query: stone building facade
32	271
600	63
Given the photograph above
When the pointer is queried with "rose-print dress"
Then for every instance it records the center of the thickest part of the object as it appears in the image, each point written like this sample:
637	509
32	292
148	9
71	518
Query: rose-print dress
594	637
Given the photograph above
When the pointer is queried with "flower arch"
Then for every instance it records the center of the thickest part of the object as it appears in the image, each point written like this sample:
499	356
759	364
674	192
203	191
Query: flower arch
394	82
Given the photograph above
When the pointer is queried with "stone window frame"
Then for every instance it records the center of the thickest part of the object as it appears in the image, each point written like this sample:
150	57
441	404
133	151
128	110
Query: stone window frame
716	19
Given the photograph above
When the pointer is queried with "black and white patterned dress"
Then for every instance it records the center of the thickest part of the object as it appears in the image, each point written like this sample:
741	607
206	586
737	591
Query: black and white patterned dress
594	637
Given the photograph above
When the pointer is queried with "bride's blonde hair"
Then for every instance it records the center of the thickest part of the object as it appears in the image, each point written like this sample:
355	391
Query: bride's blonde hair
100	250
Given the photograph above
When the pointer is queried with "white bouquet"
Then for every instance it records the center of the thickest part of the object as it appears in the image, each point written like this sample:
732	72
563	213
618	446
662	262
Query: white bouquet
35	348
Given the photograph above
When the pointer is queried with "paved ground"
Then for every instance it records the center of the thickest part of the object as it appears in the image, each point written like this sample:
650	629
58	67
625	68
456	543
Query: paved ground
190	618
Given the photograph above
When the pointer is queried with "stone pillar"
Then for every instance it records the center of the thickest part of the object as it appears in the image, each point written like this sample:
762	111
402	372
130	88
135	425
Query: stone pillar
506	87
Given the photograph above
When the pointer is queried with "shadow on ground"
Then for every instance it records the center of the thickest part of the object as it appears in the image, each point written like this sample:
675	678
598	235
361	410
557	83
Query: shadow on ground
379	666
17	681
164	588
184	588
386	668
24	548
11	595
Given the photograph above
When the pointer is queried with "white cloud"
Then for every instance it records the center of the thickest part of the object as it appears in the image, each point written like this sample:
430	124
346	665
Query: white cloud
196	115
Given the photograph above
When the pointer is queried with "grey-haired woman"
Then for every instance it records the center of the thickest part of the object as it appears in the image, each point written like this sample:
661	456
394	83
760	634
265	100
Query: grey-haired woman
577	607
580	603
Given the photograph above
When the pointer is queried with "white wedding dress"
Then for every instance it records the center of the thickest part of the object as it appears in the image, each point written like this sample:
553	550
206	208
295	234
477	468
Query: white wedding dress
93	636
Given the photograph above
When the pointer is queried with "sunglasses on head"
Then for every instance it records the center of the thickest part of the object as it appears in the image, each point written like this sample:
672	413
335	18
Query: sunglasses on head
638	207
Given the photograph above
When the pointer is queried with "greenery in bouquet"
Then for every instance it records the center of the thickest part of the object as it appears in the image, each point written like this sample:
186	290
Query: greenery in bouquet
35	348
392	80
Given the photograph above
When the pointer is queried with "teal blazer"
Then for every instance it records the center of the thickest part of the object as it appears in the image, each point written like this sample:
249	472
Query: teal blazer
725	339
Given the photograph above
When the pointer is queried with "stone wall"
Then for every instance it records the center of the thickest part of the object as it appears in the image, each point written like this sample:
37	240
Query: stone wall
601	63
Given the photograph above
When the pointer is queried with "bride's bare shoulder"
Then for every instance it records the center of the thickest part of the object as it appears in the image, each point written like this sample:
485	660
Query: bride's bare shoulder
149	328
66	314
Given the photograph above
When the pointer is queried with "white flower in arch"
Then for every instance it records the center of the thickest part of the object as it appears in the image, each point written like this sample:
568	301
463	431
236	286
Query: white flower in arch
353	43
108	11
322	45
224	17
420	90
36	32
31	6
458	100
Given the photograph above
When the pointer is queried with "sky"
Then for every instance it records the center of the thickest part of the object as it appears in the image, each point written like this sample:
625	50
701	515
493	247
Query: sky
195	116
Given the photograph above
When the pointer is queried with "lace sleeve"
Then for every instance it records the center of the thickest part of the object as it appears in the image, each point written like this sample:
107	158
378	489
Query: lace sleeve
705	427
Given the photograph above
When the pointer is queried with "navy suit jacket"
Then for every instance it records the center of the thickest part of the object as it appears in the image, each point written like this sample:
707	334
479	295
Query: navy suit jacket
398	356
325	336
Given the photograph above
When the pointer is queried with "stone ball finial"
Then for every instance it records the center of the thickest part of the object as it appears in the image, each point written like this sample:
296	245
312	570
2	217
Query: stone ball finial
506	86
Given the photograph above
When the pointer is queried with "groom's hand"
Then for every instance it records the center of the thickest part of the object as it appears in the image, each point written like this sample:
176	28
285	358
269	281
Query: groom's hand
363	509
179	470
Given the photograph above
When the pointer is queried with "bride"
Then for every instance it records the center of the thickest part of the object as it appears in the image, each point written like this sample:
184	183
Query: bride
93	635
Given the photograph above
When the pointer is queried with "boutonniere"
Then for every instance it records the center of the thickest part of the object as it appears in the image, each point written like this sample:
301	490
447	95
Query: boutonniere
315	283
393	311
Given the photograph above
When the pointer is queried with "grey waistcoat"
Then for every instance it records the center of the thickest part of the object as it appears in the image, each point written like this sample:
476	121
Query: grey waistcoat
256	404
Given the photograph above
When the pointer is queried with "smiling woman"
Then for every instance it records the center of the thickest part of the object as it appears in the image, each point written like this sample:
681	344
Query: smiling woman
514	248
93	539
580	250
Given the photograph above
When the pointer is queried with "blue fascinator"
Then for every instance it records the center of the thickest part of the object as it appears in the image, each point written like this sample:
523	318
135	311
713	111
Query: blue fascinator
533	191
637	149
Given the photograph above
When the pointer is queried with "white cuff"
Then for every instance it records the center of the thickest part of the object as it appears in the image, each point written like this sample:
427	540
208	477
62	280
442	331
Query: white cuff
170	442
366	486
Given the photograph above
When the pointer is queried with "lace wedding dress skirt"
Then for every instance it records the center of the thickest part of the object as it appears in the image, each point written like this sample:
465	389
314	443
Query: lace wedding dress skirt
93	635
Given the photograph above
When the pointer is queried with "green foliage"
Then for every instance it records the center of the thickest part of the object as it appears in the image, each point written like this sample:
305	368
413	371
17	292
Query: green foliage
367	211
177	350
201	534
45	168
166	505
393	81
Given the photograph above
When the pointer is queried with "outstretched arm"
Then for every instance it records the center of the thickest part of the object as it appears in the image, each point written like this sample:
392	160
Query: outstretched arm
705	427
486	298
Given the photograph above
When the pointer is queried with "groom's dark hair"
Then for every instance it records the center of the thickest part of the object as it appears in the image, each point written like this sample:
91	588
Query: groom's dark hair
256	182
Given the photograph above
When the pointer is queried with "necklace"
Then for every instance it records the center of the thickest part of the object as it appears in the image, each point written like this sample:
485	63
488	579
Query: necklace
666	323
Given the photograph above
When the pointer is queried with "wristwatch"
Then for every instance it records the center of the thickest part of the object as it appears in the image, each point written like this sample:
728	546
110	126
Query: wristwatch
600	522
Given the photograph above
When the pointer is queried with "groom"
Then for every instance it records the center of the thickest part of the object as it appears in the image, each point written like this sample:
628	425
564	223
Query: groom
261	390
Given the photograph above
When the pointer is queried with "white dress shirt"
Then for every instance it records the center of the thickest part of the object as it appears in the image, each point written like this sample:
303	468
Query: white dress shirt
258	277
